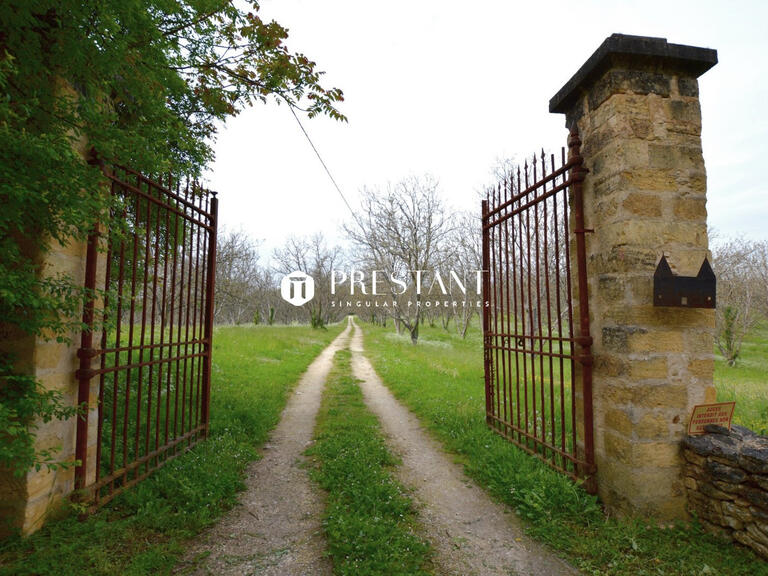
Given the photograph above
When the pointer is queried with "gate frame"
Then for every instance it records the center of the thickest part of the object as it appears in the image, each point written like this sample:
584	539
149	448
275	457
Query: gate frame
89	487
576	173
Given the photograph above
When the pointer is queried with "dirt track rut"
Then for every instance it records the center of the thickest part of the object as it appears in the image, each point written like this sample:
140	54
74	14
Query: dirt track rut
275	529
472	535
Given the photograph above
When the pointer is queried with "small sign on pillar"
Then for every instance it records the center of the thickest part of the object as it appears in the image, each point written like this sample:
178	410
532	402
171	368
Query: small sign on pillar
706	414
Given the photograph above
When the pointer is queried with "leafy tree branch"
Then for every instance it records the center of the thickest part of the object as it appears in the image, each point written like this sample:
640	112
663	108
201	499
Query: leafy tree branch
144	83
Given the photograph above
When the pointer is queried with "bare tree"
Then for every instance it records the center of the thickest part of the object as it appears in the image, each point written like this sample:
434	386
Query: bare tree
398	232
462	255
312	256
535	237
239	278
742	292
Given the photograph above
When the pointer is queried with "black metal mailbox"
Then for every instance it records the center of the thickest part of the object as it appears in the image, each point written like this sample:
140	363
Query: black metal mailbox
684	291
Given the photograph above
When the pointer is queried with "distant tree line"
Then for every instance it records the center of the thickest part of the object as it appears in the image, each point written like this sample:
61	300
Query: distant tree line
423	257
741	267
405	233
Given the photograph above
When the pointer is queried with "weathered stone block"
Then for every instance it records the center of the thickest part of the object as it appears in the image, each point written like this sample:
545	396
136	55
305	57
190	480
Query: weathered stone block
619	81
757	534
674	158
617	447
729	487
640	340
761	481
762	526
640	178
756	497
688	86
746	539
696	471
616	394
611	287
641	290
653	426
660	396
725	447
736	511
618	420
693	458
702	368
683	111
754	457
641	127
648	368
35	513
690	209
732	523
655	454
610	365
725	473
61	381
49	355
713	492
643	204
625	258
616	338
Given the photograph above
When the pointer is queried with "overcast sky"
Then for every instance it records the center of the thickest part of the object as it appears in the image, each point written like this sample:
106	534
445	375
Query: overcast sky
449	88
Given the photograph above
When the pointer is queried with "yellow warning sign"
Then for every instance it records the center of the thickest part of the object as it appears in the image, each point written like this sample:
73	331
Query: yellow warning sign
704	414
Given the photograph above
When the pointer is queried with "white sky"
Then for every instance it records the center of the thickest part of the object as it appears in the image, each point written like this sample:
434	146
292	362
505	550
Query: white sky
447	88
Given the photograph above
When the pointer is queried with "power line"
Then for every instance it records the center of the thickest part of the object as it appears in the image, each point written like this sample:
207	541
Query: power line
327	171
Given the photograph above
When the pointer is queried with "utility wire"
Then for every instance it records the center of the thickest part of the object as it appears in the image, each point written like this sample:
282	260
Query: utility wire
327	171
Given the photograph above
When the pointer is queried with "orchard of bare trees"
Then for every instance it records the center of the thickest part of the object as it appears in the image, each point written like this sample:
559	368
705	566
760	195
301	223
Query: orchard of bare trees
741	267
248	289
408	260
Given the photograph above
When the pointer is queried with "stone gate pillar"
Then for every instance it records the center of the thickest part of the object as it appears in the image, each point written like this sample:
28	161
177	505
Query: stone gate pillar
635	103
26	501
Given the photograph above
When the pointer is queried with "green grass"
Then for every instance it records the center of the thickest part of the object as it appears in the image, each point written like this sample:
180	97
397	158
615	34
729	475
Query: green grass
145	529
441	381
370	523
537	396
163	401
747	382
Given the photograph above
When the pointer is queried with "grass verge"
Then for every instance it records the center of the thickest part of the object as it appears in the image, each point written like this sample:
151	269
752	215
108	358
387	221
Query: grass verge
747	382
369	521
441	381
144	530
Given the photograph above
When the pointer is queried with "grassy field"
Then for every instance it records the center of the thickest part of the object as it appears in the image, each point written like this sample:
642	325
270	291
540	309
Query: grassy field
747	382
370	523
441	380
143	531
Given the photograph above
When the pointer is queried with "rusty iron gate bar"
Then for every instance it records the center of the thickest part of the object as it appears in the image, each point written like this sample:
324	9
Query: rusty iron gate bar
153	363
538	368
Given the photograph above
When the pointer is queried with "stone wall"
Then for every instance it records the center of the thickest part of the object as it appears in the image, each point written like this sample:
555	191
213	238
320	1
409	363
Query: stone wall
726	477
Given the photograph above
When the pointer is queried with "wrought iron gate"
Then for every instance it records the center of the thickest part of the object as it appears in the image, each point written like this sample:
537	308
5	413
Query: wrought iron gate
152	366
538	366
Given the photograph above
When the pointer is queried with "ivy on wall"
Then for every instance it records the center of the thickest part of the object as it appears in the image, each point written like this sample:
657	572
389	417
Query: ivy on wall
143	83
